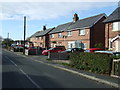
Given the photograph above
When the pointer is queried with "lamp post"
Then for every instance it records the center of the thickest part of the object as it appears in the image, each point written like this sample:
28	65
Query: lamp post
24	33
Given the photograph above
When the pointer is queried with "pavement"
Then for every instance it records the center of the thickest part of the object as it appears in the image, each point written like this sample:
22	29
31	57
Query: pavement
106	79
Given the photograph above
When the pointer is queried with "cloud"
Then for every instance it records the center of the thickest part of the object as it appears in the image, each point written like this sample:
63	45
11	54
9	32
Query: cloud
59	0
42	10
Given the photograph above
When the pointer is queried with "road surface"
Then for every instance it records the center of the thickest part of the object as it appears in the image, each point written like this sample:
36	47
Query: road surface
22	72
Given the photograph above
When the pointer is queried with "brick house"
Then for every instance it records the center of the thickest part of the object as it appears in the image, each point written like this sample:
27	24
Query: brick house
83	33
41	38
33	39
112	31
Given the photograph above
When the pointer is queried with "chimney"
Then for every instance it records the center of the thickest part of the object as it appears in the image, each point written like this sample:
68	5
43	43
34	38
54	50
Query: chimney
75	17
44	27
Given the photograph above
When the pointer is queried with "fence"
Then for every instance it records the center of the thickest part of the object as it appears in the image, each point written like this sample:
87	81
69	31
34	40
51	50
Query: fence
58	56
33	52
116	68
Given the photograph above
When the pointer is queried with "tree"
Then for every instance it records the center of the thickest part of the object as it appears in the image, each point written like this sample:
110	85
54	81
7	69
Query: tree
7	41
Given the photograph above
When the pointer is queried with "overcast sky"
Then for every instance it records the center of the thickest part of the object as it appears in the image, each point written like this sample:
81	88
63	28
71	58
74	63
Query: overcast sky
50	14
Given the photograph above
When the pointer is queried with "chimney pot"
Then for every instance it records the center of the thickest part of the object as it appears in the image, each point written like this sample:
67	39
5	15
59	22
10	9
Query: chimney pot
44	28
75	17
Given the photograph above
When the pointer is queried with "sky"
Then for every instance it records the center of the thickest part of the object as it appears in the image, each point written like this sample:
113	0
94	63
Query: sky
46	13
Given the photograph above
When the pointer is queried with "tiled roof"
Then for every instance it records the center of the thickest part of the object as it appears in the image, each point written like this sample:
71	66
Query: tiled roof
34	35
42	33
83	23
115	16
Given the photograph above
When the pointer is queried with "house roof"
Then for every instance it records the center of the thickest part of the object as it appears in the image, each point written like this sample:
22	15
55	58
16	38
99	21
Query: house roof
82	23
34	35
42	33
115	16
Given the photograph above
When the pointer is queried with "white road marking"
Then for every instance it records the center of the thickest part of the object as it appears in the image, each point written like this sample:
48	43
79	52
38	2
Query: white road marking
28	77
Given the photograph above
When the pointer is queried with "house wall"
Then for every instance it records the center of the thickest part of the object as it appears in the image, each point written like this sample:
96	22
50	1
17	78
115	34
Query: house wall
75	36
109	34
98	33
37	41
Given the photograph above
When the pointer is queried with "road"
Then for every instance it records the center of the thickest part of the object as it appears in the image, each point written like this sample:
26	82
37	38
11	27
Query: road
22	72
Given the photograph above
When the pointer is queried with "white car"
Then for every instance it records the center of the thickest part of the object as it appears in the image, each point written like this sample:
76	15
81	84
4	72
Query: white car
109	52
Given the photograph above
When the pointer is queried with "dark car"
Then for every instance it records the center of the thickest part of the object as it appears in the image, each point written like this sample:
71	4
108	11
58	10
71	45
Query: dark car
73	50
17	49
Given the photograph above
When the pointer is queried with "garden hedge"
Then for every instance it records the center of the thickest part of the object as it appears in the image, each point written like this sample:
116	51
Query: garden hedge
98	63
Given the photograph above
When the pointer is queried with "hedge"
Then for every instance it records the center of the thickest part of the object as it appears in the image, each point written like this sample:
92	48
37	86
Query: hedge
98	63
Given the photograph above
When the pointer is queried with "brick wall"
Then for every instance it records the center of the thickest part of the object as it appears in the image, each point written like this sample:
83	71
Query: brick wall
109	34
98	33
75	36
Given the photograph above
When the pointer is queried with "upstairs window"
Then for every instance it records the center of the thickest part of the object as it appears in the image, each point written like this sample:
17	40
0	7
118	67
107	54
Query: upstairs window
52	35
59	35
116	26
82	32
69	33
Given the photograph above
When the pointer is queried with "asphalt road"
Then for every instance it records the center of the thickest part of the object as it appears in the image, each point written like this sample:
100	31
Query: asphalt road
22	72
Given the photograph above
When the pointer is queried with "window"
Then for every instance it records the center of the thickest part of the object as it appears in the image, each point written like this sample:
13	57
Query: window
116	26
69	33
82	32
52	36
60	44
59	35
57	48
85	45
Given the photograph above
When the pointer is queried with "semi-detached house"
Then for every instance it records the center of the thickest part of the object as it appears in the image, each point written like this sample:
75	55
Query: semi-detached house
41	38
112	31
83	33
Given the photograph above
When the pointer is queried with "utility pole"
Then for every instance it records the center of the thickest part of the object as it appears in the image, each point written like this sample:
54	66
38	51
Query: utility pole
7	39
24	33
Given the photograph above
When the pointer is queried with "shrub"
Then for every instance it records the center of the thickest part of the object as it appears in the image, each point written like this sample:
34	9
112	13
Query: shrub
99	45
99	63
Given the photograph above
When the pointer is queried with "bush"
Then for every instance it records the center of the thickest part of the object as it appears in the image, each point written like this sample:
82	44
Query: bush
99	63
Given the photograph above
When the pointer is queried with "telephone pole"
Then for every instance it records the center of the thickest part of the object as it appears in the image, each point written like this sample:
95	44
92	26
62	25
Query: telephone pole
8	40
24	33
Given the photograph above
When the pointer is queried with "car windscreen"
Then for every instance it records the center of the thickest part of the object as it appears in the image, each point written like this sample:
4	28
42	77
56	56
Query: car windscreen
51	48
57	48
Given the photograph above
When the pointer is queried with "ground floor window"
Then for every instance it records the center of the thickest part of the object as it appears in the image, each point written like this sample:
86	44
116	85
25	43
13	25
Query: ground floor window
76	44
59	43
71	44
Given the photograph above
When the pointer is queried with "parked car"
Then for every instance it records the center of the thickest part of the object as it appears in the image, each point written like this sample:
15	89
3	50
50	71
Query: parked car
14	45
93	49
73	50
53	50
34	48
18	49
109	52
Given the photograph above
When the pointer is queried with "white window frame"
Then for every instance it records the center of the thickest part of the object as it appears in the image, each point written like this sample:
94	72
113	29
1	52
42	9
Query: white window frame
116	26
59	35
59	43
85	45
69	33
52	36
82	32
